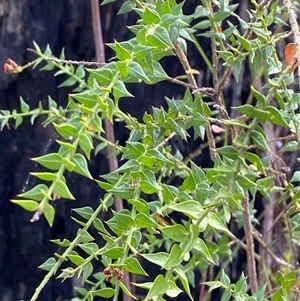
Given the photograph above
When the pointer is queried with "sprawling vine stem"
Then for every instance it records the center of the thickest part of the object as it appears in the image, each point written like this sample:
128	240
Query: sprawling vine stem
74	243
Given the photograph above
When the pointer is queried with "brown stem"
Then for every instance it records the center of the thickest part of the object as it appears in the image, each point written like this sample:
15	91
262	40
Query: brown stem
186	66
99	49
110	135
250	246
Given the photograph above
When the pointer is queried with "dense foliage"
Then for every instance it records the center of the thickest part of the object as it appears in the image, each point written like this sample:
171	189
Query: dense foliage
175	214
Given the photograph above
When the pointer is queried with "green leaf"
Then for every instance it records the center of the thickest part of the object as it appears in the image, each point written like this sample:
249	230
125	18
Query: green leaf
191	239
80	71
76	259
148	182
85	212
48	264
275	117
105	293
201	11
244	42
296	177
133	266
173	290
119	90
136	72
258	96
122	68
64	243
259	140
114	253
175	257
255	160
228	151
107	1
221	15
126	291
87	271
122	53
279	100
289	280
19	120
129	166
190	208
86	98
66	145
215	222
252	112
224	279
124	221
291	146
241	285
202	25
46	176
67	131
150	16
159	258
184	281
100	147
68	83
175	232
201	247
140	205
126	7
236	122
90	247
81	166
144	221
104	75
159	287
36	193
28	205
198	173
160	38
49	213
24	106
169	192
158	156
236	69
97	223
157	75
86	144
62	190
245	182
68	164
96	123
51	161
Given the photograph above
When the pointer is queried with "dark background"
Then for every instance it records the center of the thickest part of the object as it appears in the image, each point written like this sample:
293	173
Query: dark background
24	245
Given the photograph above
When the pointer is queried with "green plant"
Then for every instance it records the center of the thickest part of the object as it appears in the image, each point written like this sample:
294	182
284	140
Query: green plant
206	200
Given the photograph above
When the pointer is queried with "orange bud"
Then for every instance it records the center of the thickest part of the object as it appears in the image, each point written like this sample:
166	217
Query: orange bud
11	67
290	54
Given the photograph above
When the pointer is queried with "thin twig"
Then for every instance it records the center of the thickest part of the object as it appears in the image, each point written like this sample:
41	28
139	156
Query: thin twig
70	62
205	90
186	66
250	245
165	141
257	235
196	153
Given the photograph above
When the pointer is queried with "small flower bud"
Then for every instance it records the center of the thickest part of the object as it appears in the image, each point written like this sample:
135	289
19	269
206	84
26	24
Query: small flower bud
11	67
